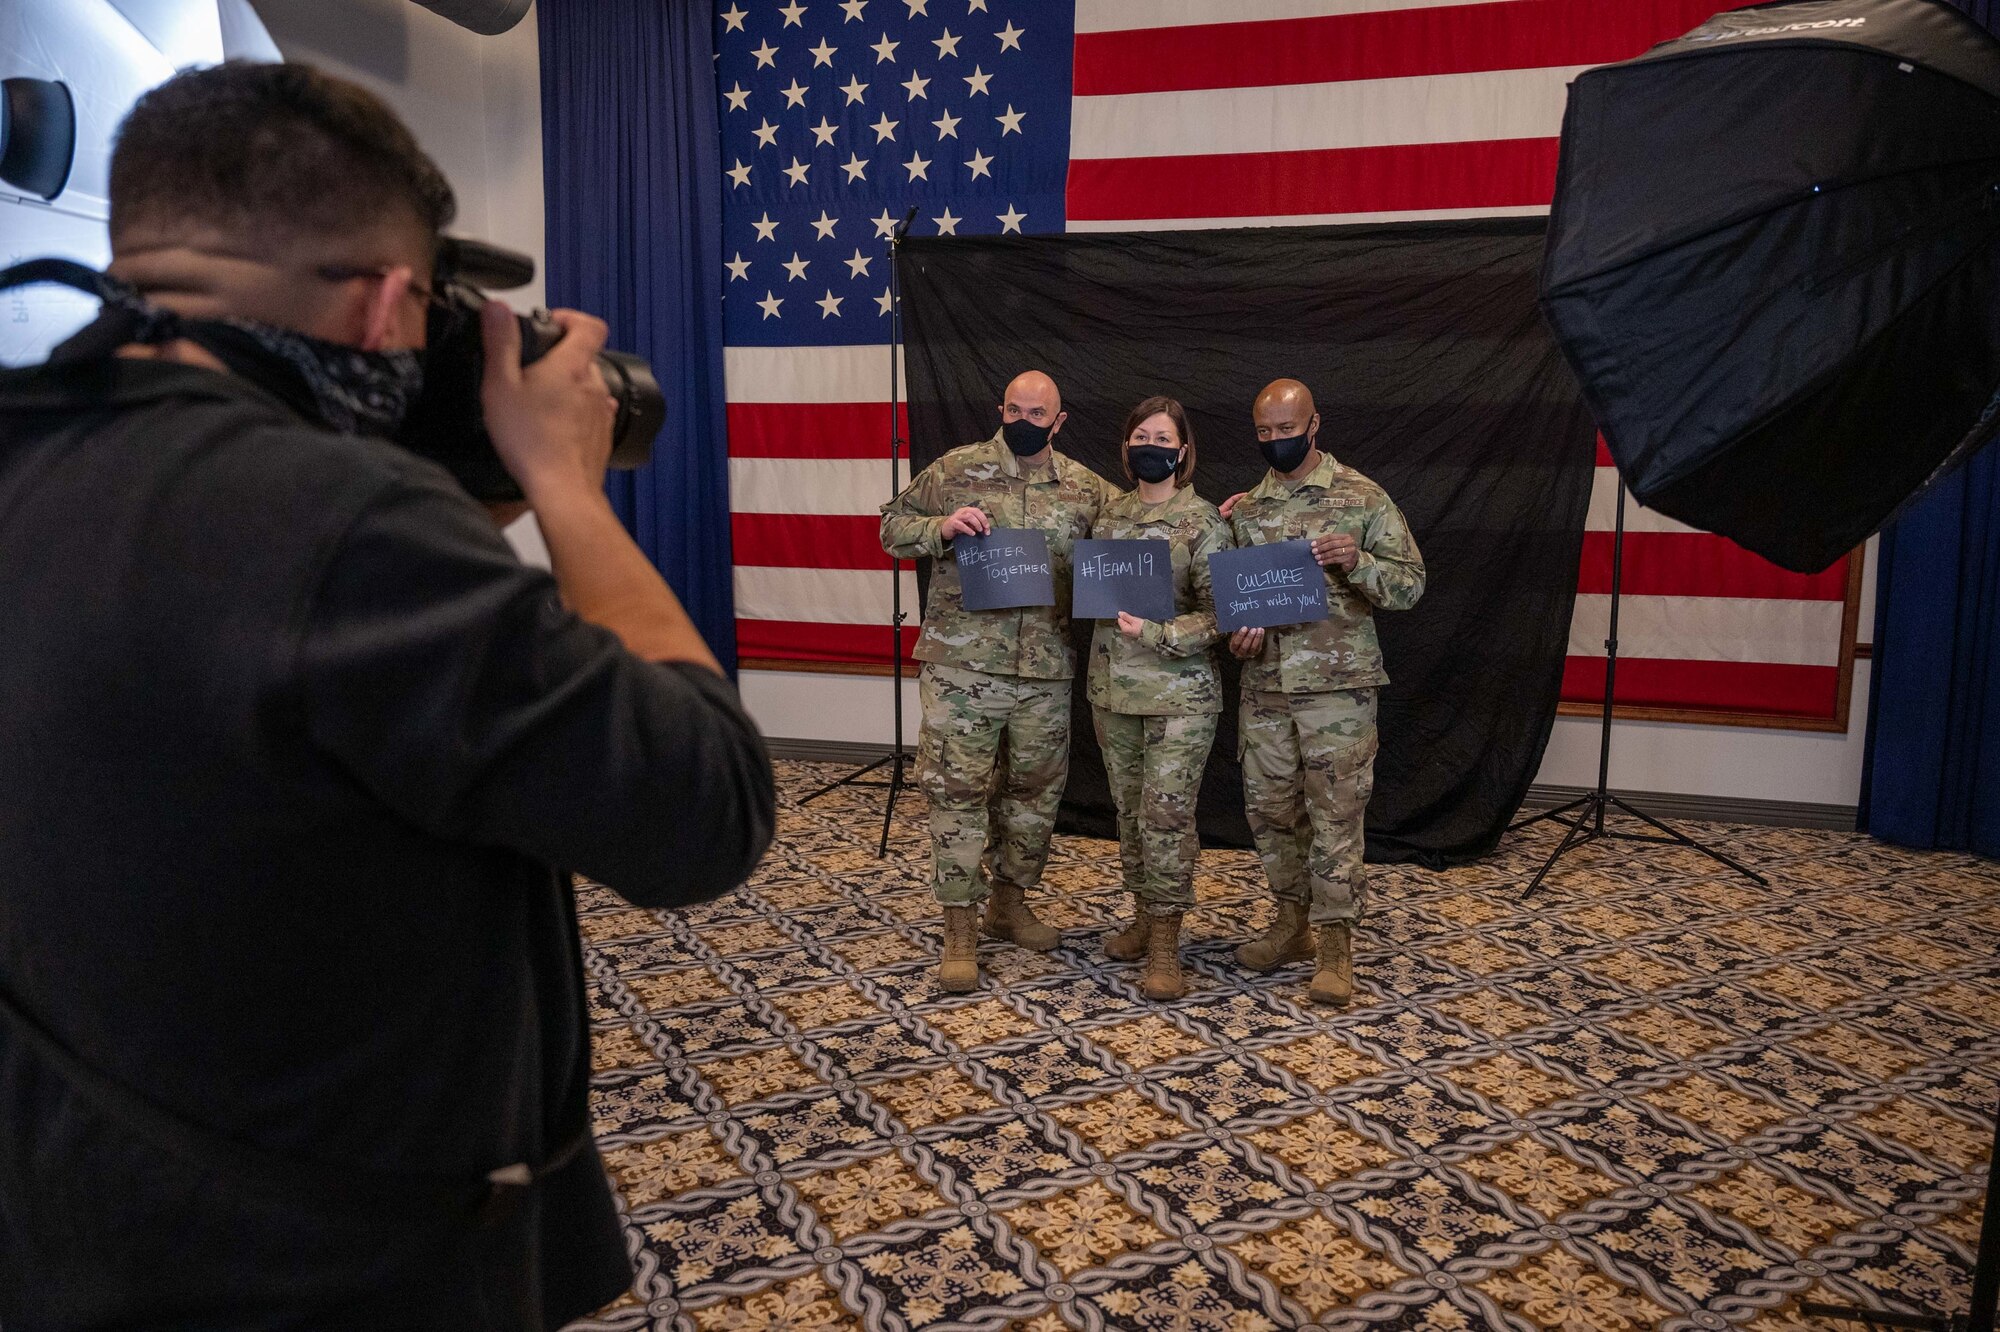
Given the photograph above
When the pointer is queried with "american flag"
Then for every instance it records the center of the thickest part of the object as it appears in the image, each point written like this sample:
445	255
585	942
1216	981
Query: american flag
1042	116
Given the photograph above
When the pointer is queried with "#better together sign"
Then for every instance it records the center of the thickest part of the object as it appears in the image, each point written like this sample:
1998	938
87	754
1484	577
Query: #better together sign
1262	587
1136	577
1007	567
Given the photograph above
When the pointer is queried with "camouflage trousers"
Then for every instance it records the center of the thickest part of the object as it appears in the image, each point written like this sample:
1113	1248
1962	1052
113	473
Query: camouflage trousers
993	757
1155	766
1308	770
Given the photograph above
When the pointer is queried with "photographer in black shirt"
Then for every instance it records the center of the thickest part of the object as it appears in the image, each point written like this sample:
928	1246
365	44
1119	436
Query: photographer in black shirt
295	757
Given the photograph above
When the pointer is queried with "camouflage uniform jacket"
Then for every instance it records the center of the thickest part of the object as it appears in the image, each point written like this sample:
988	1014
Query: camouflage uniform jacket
1341	651
1168	670
1061	498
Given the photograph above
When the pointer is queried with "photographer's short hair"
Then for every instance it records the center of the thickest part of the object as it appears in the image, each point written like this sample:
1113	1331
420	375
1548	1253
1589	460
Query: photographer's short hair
276	154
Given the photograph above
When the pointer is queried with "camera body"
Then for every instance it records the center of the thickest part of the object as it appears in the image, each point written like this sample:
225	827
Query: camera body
447	424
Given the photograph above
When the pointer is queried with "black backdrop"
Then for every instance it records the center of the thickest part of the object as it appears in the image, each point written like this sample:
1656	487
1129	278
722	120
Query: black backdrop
1434	375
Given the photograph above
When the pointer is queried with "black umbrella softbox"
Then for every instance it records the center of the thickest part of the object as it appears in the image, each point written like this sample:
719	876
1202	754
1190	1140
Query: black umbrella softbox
1772	264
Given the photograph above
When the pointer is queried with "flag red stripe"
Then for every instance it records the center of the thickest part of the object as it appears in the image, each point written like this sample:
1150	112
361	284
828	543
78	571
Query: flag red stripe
1732	686
1382	44
1699	564
1498	173
812	429
807	541
804	640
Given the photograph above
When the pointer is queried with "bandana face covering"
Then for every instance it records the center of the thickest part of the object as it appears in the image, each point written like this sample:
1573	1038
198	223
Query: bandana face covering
352	391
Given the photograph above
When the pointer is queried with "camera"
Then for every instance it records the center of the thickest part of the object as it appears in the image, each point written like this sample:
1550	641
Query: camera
447	425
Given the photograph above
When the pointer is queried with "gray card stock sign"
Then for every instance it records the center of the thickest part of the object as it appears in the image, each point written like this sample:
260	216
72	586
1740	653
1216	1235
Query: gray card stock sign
1260	587
1007	567
1132	576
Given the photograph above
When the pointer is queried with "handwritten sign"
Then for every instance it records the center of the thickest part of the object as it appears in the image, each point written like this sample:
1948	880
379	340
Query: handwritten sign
1007	567
1260	587
1132	576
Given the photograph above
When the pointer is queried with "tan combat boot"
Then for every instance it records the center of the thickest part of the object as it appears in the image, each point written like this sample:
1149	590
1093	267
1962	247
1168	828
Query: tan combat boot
1288	940
1333	982
1162	979
958	966
1129	944
1008	916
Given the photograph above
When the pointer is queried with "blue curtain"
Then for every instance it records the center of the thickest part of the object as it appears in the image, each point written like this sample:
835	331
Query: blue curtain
632	174
1931	777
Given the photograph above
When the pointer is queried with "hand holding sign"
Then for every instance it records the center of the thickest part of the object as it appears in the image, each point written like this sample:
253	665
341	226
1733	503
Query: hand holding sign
1007	567
1266	586
1130	577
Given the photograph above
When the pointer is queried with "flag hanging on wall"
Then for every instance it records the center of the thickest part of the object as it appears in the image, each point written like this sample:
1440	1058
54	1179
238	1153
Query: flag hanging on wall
1034	117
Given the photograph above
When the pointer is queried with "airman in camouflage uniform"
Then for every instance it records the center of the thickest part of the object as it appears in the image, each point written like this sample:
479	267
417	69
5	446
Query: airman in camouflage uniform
1155	695
989	675
1307	726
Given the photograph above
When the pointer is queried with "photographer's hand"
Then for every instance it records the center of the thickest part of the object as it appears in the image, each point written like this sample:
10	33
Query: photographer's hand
551	426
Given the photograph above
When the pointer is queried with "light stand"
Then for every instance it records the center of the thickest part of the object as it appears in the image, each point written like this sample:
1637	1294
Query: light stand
1586	812
897	758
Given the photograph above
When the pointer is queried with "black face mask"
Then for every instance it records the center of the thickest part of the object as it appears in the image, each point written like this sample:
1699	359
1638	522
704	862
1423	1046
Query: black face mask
1286	454
1151	462
1024	437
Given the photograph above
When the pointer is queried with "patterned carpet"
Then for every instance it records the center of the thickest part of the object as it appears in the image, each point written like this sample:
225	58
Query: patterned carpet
1652	1096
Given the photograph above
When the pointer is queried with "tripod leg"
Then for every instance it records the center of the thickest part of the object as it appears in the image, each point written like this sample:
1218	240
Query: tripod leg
889	805
1687	841
1579	833
839	782
1555	813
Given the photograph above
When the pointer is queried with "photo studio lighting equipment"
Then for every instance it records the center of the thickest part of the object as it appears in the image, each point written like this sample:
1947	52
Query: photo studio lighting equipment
898	758
1772	264
37	135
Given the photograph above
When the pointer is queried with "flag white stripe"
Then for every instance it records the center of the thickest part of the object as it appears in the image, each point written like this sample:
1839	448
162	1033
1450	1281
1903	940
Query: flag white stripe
809	374
1308	117
1603	515
1124	15
810	485
826	596
1294	220
1793	633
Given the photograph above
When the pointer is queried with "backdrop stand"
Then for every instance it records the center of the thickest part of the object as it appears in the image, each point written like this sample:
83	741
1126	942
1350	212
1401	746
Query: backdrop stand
898	758
1584	816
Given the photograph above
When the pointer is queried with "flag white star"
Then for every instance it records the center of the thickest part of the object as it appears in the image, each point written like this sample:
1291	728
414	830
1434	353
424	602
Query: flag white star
947	125
977	81
883	302
947	225
914	86
766	54
793	13
767	134
769	305
853	8
918	167
856	167
829	304
885	225
824	131
1010	36
738	98
823	228
885	49
917	7
766	228
885	128
1011	122
796	94
796	267
739	174
947	45
854	87
797	171
976	6
823	53
739	268
857	266
733	18
980	164
1010	220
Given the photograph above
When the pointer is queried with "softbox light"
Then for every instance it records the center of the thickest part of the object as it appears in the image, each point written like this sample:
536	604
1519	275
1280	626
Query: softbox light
1772	264
37	135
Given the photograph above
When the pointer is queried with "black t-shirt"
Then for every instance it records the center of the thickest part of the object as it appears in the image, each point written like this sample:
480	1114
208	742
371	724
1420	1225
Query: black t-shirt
289	743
